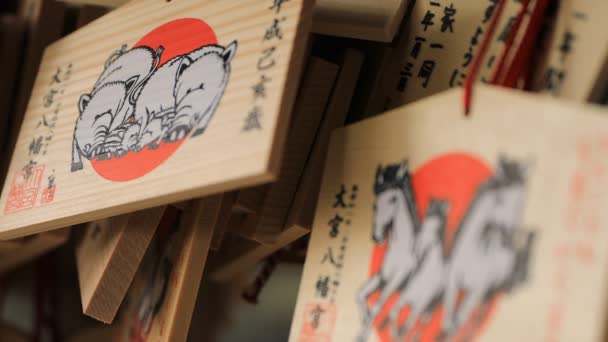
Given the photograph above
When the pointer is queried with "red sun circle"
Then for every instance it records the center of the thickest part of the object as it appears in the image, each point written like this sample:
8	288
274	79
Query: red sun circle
454	177
178	37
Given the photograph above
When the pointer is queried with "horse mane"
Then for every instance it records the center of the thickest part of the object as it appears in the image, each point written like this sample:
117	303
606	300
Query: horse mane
389	178
410	201
439	207
508	173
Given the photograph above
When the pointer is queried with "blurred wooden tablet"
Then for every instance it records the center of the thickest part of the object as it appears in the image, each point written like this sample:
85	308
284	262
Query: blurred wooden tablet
362	19
314	93
162	298
108	257
223	219
250	200
437	47
577	61
438	226
235	141
301	212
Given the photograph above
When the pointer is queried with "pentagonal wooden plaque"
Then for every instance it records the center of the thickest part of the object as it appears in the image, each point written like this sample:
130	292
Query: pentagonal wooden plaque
433	226
154	103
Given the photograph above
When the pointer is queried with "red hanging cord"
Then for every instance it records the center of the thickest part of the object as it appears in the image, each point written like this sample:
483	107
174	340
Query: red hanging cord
498	73
522	58
483	49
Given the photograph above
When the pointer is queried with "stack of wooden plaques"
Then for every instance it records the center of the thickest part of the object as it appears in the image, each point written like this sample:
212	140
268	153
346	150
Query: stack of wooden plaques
282	212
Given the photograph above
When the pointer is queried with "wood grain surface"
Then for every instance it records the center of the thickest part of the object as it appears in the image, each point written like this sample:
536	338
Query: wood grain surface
108	257
314	93
263	42
399	164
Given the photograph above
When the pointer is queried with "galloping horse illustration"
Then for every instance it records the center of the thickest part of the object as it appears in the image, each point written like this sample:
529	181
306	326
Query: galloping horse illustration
487	254
395	220
425	288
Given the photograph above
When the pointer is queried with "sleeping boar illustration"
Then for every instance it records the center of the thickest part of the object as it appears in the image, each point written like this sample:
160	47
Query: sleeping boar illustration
183	95
137	103
111	102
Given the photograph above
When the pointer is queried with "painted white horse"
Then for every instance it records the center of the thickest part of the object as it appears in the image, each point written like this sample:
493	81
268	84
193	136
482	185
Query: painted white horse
394	219
485	257
423	291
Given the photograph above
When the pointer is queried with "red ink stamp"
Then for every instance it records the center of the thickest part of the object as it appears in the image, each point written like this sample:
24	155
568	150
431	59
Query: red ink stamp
319	320
24	190
48	195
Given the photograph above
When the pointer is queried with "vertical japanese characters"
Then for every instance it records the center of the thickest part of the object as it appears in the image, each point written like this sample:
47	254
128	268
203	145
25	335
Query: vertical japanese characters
441	44
266	62
344	203
423	70
583	223
319	316
556	72
460	72
27	181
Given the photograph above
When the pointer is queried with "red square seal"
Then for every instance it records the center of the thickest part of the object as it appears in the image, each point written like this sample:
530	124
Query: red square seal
48	195
318	324
24	190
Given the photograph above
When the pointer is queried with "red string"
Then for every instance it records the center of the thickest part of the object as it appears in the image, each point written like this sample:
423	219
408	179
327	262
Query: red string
483	49
509	42
521	61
